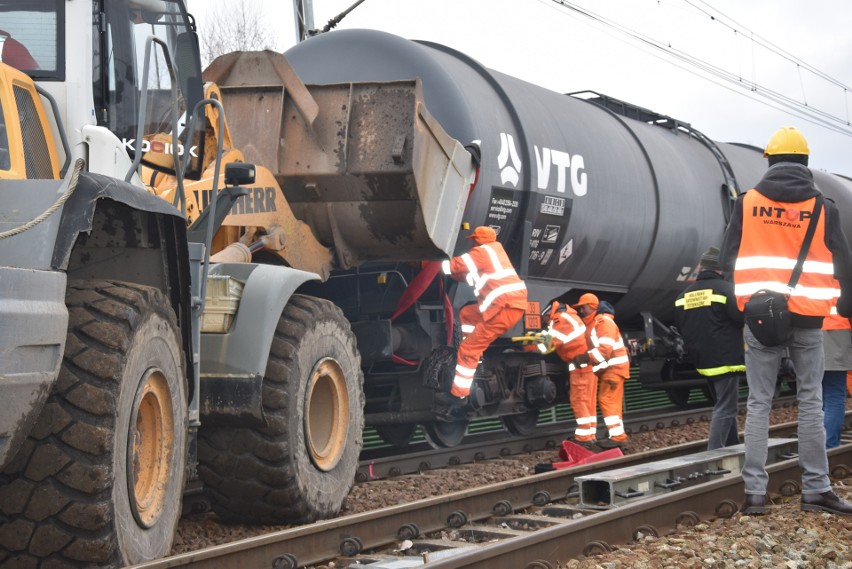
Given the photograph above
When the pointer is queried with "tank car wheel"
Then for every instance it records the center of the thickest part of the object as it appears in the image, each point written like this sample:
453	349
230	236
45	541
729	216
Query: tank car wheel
521	425
99	482
397	435
302	464
444	434
679	396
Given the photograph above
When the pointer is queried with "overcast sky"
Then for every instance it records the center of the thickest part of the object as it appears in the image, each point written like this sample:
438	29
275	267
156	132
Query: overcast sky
552	46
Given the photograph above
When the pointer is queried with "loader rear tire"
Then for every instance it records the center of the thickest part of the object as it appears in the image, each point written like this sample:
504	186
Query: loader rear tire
301	466
99	481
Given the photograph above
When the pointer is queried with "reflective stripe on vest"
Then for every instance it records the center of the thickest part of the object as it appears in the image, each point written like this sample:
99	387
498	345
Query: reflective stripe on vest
495	283
772	236
577	328
834	321
489	286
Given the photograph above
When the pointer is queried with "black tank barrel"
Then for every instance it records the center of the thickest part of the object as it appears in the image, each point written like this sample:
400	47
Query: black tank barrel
586	192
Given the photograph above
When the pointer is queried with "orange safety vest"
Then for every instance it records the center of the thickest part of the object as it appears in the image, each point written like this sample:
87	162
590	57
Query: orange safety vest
834	321
569	335
606	347
489	271
772	237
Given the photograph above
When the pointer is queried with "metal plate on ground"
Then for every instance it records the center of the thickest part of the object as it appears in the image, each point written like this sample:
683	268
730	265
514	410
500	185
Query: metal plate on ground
616	487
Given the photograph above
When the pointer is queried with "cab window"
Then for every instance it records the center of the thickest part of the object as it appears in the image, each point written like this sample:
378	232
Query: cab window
31	37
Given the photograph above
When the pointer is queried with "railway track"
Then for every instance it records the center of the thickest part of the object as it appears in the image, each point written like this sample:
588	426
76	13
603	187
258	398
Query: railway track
389	461
395	461
526	523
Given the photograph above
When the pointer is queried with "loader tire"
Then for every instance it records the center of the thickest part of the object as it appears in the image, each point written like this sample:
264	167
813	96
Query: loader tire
302	464
99	481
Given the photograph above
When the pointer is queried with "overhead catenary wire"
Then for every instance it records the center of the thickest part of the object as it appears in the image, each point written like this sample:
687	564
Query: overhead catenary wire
763	42
773	99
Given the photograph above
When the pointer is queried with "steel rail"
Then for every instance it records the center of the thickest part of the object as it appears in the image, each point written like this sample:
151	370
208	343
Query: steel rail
324	541
595	534
382	463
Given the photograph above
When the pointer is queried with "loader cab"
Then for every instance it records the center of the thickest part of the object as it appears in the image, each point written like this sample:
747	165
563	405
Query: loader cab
91	56
121	91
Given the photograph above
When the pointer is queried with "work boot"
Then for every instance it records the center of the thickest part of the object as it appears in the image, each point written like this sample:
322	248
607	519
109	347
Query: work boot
826	502
588	445
607	444
450	407
754	505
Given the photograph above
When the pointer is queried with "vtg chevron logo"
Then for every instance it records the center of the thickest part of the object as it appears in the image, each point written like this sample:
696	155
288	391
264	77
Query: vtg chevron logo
509	173
570	169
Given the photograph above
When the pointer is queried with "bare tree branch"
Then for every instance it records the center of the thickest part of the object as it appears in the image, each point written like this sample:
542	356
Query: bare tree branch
234	25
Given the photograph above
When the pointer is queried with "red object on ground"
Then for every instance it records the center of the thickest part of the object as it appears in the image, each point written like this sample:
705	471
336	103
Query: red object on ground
573	454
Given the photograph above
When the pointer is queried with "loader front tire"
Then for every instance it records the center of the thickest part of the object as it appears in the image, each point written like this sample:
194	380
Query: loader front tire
99	481
302	464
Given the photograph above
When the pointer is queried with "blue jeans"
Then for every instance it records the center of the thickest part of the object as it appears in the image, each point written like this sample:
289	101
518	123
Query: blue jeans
762	363
833	405
723	424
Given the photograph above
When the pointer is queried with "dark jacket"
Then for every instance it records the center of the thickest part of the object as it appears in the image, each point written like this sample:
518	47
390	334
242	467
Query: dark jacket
707	316
793	183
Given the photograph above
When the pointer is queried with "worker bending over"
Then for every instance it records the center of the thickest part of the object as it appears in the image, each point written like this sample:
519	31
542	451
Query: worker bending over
608	358
569	342
501	300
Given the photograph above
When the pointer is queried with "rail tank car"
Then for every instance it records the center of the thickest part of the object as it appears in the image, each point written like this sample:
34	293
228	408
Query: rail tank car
587	193
584	196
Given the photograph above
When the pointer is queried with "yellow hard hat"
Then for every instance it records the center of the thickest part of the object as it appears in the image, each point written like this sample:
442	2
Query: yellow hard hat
787	140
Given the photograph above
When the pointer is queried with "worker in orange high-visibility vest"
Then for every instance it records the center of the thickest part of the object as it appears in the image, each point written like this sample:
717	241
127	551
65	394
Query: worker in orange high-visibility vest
501	300
762	245
568	333
610	362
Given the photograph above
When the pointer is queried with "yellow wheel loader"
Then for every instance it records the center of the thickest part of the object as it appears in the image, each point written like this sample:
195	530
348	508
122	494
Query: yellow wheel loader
138	371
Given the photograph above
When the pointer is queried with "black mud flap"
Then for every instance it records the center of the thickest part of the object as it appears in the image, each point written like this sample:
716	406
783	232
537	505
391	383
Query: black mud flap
438	369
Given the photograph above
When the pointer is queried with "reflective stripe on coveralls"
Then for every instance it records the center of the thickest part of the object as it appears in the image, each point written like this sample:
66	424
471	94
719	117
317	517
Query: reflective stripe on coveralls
619	352
502	300
611	363
706	300
569	338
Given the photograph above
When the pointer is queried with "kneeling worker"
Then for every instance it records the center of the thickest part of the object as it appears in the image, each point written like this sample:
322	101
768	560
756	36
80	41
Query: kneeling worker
610	362
501	300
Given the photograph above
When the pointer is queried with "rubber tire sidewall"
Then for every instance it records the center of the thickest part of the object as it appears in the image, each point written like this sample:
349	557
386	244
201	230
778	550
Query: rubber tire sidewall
265	474
324	490
150	349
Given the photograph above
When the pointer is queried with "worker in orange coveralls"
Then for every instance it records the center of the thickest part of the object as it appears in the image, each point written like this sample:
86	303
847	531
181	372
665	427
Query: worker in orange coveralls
610	362
568	333
501	300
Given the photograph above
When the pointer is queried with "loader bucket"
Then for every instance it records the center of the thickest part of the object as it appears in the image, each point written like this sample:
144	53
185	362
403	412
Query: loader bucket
364	165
